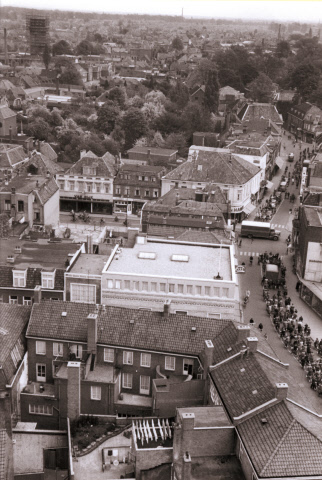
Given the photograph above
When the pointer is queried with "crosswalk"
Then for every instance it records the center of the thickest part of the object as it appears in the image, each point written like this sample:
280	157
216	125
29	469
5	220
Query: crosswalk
277	225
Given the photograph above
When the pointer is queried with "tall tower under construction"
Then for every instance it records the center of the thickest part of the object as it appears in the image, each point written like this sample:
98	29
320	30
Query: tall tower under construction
38	33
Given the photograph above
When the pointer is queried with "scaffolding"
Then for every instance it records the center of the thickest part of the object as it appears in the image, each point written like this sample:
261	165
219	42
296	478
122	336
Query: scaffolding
38	33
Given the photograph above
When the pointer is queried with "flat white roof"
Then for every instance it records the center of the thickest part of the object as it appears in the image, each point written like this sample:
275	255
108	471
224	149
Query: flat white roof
203	261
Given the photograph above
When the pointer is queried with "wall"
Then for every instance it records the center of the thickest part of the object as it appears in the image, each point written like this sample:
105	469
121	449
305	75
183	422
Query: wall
20	381
212	442
21	293
184	394
84	280
51	210
96	407
28	449
7	123
313	266
147	459
43	421
244	460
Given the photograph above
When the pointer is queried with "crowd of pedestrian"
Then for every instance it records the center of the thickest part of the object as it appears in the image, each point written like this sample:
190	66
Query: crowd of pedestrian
292	329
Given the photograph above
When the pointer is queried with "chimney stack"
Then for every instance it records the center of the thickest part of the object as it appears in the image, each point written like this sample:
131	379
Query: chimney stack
244	129
166	308
207	357
242	333
186	471
252	343
37	294
92	333
10	132
281	390
73	390
149	155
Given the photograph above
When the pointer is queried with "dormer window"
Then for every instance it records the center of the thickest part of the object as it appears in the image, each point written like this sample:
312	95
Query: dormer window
89	171
48	279
19	278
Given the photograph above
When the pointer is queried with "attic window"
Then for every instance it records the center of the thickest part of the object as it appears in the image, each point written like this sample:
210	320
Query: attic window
193	329
180	258
200	167
3	331
242	370
147	255
64	314
264	420
254	392
229	349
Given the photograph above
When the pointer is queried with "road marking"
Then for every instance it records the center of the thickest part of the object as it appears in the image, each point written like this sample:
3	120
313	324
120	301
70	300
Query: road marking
248	254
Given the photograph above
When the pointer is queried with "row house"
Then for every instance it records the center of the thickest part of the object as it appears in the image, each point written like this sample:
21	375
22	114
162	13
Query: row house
31	199
8	122
237	178
186	209
13	377
304	121
151	156
134	185
88	184
34	267
102	360
203	281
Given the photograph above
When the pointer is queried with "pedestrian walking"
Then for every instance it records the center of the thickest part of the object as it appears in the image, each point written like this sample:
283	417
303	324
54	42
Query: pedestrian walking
240	242
297	287
290	211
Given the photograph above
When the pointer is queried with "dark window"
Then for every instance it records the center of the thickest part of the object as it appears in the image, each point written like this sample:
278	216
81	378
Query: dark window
20	206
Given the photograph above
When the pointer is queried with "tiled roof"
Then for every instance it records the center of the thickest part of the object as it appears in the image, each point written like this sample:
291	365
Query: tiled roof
242	384
281	447
153	150
150	330
48	151
10	155
6	112
47	190
104	165
33	277
42	163
262	110
214	167
13	321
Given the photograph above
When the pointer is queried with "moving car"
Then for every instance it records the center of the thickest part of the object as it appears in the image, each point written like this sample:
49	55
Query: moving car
291	157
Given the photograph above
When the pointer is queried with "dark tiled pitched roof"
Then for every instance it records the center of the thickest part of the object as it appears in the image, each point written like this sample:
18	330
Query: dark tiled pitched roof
6	112
217	167
227	339
242	391
104	165
47	190
281	447
13	321
150	330
33	277
10	155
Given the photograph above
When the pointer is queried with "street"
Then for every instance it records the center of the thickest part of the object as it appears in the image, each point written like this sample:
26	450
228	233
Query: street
251	280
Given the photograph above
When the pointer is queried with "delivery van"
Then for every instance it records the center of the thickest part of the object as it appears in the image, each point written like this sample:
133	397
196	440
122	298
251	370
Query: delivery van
258	230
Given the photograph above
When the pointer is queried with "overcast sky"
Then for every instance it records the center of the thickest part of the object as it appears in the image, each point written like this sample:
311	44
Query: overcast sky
302	10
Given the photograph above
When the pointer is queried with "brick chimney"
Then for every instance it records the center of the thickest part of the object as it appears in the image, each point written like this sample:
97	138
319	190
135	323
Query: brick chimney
166	308
92	333
252	343
207	357
73	390
187	426
281	390
37	294
242	333
186	470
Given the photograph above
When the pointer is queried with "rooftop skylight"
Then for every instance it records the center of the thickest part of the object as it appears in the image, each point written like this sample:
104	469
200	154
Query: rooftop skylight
147	255
180	258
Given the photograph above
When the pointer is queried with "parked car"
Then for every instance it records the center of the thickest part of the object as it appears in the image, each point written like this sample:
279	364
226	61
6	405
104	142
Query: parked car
291	157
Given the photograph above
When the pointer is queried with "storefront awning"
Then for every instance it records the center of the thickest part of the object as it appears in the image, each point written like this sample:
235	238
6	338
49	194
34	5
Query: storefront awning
249	208
279	162
314	287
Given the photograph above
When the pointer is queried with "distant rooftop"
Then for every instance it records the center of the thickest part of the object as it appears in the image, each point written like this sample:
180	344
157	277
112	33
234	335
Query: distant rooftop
37	255
89	264
202	262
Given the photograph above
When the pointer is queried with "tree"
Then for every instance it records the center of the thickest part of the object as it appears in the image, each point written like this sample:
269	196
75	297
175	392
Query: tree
107	116
179	142
39	129
211	97
177	43
261	88
168	122
134	125
117	95
283	49
196	119
46	56
179	94
306	79
84	48
62	48
151	111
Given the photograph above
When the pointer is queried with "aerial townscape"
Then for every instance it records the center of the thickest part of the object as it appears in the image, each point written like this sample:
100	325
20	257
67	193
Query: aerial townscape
160	245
